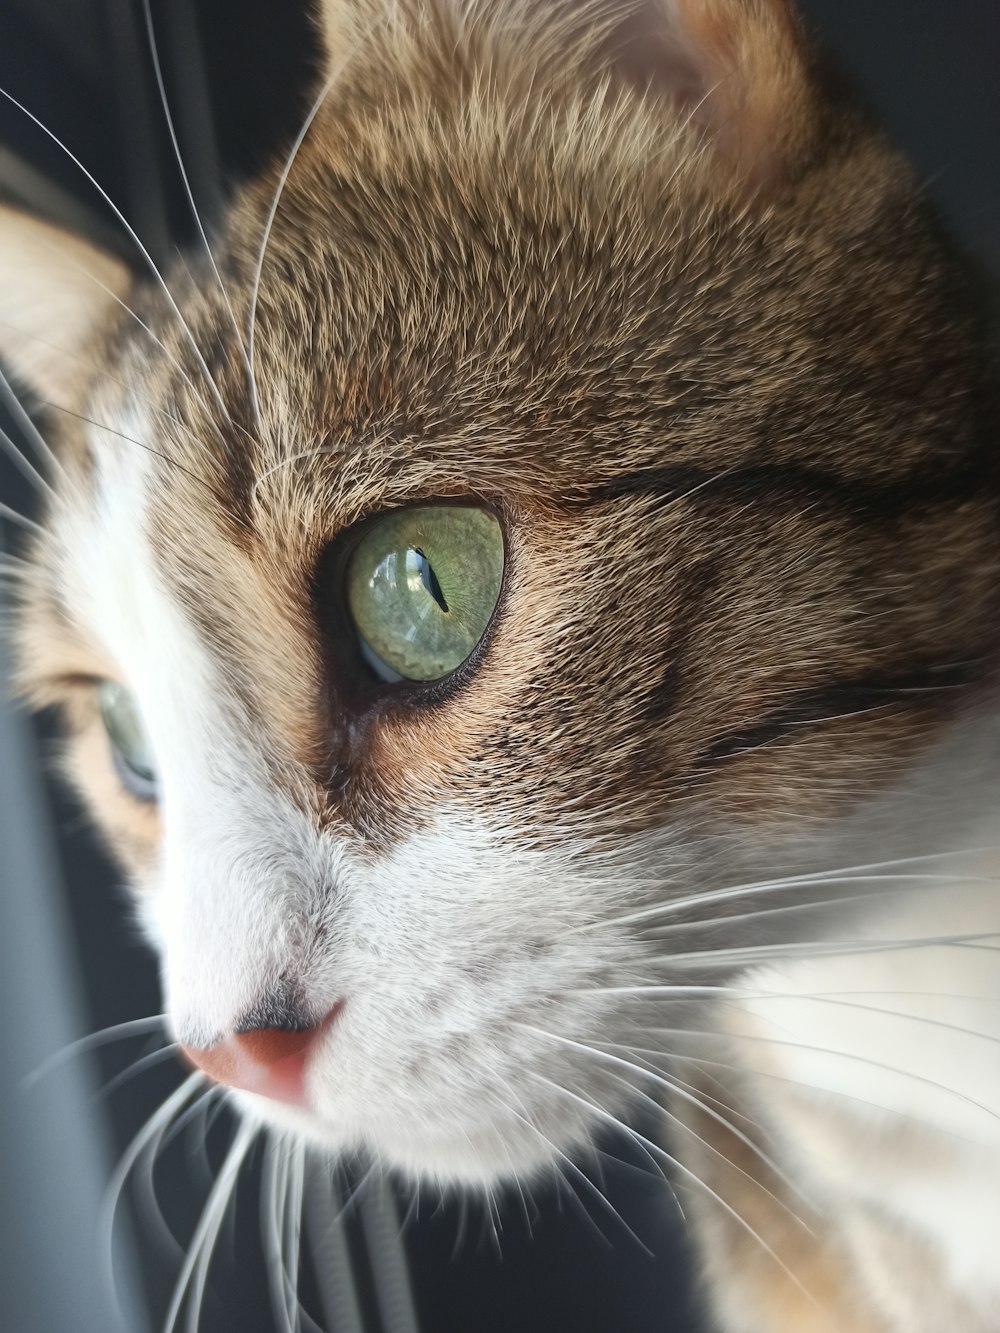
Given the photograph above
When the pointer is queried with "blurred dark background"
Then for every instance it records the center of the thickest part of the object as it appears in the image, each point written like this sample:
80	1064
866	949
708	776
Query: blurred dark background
237	76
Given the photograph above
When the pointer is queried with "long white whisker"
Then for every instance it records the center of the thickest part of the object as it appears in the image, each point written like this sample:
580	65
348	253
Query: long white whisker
291	1275
273	1193
320	452
286	169
30	430
12	516
870	1061
203	1242
148	1135
744	955
580	1174
676	1090
685	1171
132	1027
157	341
787	884
24	465
683	993
293	1234
331	1256
179	157
708	1062
693	925
144	1178
14	567
138	1067
103	372
133	235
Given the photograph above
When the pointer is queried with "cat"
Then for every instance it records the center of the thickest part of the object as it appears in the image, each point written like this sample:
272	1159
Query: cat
524	608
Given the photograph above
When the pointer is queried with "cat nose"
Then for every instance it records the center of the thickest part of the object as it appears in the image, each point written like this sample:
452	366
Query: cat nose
269	1061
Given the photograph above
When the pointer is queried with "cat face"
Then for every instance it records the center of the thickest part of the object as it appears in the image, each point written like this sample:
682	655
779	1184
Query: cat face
715	517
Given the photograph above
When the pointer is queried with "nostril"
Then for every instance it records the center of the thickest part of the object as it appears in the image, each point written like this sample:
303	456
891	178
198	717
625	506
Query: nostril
268	1061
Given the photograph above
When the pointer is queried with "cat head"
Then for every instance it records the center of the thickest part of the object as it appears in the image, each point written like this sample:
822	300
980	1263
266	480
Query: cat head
569	479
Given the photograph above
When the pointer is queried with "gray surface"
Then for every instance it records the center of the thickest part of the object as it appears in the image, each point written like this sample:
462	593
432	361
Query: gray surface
54	1153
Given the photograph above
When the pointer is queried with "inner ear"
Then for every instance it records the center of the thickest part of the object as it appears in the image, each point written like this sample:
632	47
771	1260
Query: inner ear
740	70
57	293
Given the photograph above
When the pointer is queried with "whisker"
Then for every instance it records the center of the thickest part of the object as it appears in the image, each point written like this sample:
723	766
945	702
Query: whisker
158	343
741	993
758	914
293	1235
200	1125
202	1245
283	176
320	452
869	1061
273	1194
148	1135
677	1091
12	516
743	955
185	179
332	1260
685	1171
26	468
568	1164
101	371
31	432
139	444
144	1180
133	235
711	1063
677	1088
835	998
137	1067
132	1027
849	875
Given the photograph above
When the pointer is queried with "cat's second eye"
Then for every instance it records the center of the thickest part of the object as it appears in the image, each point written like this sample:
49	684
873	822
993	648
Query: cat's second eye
422	585
130	743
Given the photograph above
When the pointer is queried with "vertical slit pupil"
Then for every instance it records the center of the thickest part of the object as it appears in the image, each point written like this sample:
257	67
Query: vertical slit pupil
431	581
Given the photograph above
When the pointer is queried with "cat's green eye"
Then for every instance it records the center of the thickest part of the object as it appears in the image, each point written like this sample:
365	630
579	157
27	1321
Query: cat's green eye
422	585
130	743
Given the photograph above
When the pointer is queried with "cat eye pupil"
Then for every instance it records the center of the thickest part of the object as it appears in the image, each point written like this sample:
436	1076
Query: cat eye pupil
430	580
421	588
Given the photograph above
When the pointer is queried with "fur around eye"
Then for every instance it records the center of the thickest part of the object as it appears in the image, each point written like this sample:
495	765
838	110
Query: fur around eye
131	747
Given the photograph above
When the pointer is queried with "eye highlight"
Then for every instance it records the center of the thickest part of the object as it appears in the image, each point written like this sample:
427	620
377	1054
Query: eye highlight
421	587
130	744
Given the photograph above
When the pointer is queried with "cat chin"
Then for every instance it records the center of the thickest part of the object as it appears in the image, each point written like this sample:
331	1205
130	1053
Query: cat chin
449	1156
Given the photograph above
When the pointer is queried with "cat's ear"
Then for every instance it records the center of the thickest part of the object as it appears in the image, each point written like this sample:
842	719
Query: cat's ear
336	21
57	292
740	69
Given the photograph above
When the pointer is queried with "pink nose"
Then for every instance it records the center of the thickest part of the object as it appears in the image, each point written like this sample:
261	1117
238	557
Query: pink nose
269	1061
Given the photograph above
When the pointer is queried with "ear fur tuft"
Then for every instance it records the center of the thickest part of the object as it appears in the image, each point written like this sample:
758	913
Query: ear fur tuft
56	292
740	69
756	82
